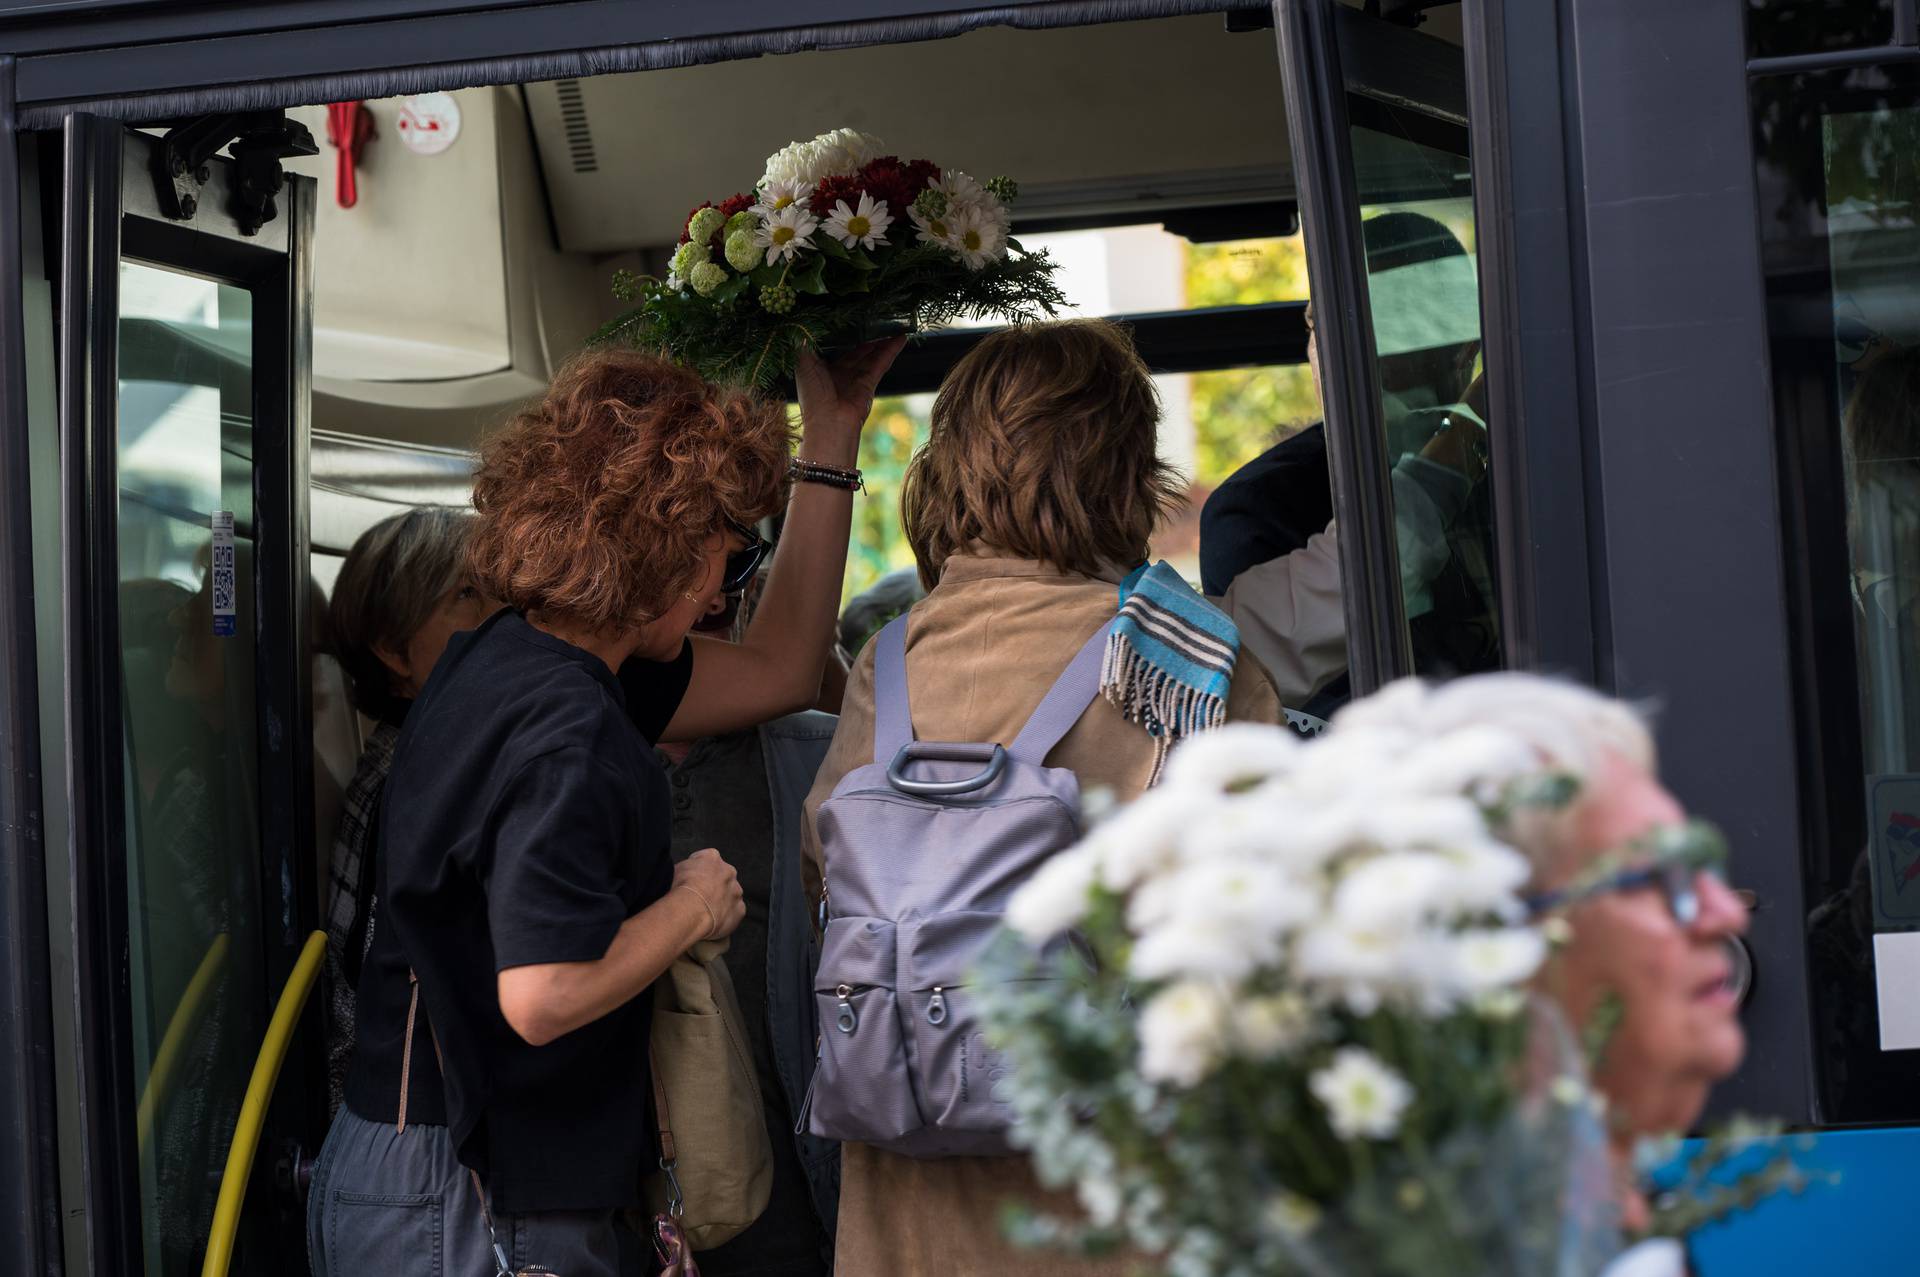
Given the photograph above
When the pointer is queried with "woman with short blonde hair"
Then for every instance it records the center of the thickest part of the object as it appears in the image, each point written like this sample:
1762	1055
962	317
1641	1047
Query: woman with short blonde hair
1032	501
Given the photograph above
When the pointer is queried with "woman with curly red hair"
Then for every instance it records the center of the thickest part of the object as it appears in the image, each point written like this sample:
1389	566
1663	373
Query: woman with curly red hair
527	896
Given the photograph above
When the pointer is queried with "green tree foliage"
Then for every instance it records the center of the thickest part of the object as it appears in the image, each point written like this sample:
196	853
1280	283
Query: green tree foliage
1239	413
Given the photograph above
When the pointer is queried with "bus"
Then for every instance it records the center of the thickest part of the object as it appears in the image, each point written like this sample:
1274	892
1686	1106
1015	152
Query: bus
268	272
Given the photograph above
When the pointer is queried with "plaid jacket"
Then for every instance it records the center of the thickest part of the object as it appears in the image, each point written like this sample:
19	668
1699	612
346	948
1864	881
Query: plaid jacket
346	882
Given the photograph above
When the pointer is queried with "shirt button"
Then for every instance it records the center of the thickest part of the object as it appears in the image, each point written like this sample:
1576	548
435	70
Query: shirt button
682	801
680	779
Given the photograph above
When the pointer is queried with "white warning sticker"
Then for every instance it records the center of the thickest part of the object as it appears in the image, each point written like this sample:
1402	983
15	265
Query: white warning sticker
221	584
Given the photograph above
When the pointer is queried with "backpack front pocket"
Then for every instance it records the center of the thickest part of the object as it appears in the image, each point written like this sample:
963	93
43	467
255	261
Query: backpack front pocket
862	1089
962	1081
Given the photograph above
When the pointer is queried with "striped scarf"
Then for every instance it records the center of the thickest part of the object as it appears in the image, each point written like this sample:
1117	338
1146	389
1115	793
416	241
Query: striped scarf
1169	659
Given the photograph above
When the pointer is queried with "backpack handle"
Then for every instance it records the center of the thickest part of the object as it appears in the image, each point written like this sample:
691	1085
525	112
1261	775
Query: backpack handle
994	756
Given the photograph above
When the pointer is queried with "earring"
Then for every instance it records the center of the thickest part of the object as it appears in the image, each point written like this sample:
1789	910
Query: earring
689	597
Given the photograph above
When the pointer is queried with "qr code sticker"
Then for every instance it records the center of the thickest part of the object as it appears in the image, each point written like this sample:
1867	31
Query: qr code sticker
222	575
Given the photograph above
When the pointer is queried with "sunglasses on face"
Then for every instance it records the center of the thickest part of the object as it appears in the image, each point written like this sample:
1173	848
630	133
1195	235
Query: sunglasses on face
743	563
1671	858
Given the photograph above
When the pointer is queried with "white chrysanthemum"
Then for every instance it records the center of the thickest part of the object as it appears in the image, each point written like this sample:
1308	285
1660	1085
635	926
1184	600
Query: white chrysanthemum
1484	960
837	152
1472	759
1426	821
1231	758
1357	967
978	238
1484	877
1222	917
1144	840
1363	1097
865	224
1393	890
1183	1032
1055	897
1264	1027
777	195
785	234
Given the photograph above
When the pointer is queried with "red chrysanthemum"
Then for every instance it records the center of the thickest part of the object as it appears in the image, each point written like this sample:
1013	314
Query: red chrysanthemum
737	203
885	179
920	175
832	190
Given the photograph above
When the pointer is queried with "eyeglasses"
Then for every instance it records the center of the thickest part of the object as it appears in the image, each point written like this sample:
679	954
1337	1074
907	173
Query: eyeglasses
1671	858
742	563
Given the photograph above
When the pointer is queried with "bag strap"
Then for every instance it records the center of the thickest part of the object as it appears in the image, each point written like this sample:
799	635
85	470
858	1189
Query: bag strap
503	1266
663	1120
892	711
1064	702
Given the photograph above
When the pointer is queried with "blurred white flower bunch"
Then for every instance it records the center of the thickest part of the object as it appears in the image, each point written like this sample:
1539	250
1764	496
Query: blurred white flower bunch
1270	883
1276	1014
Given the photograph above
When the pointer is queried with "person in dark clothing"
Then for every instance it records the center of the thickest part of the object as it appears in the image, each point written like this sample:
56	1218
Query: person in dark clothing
1267	540
496	1108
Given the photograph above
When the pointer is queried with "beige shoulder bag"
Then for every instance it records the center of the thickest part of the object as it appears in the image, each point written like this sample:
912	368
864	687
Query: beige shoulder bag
716	1166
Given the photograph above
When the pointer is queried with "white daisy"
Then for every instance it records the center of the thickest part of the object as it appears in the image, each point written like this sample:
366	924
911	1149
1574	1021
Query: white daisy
866	225
777	195
934	230
1363	1097
784	234
961	191
978	238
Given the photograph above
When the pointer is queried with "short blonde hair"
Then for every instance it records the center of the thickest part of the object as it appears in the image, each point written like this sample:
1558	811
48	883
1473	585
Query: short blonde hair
1043	447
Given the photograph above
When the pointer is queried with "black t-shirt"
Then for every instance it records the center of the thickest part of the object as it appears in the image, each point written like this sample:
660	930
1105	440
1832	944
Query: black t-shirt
524	820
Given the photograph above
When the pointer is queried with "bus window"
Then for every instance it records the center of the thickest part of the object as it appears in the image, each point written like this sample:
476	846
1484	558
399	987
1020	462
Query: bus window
186	650
1416	222
1843	270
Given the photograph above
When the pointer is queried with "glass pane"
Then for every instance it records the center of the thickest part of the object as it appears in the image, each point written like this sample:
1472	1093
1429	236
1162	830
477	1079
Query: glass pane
1841	227
1211	424
186	650
1423	287
1778	28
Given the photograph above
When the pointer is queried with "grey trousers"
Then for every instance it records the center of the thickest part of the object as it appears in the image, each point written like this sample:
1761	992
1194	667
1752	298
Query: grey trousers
386	1203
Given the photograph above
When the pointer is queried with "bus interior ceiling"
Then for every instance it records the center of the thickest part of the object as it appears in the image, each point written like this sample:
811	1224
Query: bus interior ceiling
455	284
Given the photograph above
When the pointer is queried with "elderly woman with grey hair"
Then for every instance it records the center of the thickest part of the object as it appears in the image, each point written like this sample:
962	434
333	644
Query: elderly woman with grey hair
1651	919
402	593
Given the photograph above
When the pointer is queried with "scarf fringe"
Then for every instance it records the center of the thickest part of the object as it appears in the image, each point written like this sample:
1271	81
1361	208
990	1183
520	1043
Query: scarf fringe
1168	709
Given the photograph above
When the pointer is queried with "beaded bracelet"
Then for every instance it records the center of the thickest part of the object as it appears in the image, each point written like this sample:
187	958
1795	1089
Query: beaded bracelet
833	476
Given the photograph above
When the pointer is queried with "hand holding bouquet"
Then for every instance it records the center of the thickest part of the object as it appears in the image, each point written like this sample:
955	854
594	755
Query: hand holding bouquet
835	240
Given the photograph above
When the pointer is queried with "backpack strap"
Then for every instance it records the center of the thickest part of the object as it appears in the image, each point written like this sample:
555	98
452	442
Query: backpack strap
892	711
1064	702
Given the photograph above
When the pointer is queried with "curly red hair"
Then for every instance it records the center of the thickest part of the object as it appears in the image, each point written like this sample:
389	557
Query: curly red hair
597	502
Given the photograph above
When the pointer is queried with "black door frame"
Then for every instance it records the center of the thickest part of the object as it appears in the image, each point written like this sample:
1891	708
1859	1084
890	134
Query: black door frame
111	213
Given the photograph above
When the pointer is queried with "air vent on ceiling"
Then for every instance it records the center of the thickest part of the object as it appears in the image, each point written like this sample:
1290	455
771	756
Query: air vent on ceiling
573	117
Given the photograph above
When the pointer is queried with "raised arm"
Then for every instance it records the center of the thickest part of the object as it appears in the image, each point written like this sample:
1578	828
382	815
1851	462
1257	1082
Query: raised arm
776	669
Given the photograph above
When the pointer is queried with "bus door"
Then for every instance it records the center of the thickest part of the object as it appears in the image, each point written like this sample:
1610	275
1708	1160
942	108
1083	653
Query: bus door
1377	119
182	305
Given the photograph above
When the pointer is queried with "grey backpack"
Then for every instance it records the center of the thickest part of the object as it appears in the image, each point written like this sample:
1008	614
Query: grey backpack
923	846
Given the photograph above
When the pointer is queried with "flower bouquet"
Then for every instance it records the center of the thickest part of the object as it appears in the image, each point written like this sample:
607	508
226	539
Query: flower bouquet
1291	1033
835	241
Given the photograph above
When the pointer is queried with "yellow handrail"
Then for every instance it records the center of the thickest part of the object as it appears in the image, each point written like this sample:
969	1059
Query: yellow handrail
185	1019
253	1109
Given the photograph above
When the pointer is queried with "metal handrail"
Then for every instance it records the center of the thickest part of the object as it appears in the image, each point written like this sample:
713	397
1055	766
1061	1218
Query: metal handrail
253	1109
